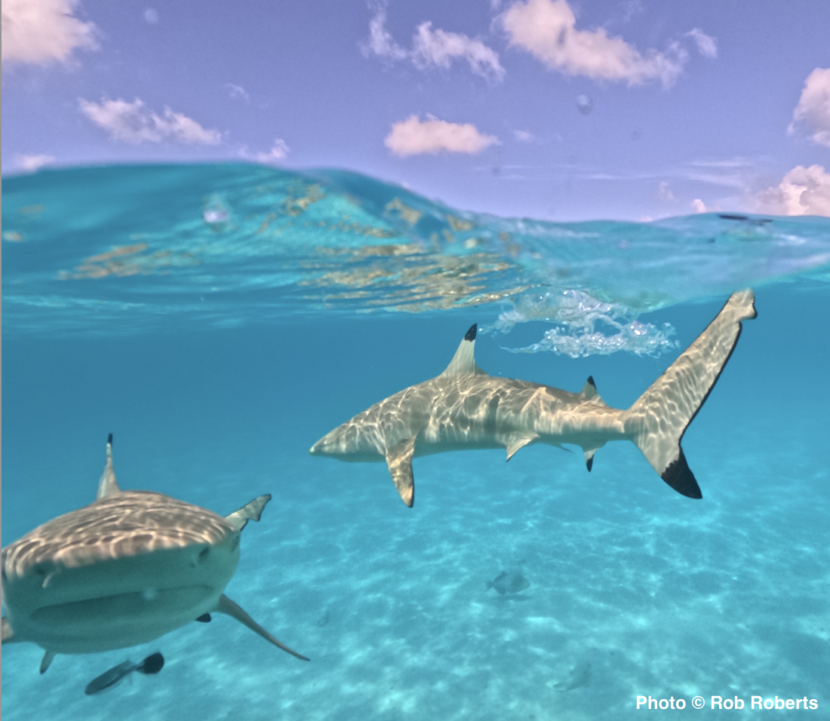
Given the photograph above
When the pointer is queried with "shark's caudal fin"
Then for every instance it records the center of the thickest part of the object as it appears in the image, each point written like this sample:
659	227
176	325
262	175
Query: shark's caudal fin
658	420
233	610
108	485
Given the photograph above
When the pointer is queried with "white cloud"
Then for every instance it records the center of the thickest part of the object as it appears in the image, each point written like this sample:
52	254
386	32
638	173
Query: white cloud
30	163
136	123
664	192
547	30
698	206
432	48
706	44
278	152
237	91
43	31
381	42
813	110
802	191
440	48
414	136
523	136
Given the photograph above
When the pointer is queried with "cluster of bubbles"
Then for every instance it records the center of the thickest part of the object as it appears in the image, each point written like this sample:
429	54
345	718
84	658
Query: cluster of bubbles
584	326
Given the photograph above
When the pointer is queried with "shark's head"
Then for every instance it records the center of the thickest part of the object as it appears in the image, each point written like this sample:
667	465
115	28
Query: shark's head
123	570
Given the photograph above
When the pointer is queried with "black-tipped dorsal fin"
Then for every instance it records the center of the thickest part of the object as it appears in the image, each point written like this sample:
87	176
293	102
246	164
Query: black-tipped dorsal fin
463	362
107	486
589	392
249	512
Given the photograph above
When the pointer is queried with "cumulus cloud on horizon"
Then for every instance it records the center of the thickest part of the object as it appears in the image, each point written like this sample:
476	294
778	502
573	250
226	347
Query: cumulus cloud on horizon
44	32
432	48
812	114
547	30
802	191
278	152
31	163
414	136
135	123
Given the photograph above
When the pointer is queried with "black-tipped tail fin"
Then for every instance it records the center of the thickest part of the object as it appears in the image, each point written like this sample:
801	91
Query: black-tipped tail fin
659	418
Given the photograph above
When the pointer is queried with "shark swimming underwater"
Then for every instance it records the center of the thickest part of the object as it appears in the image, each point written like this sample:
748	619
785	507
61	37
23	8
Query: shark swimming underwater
126	569
465	408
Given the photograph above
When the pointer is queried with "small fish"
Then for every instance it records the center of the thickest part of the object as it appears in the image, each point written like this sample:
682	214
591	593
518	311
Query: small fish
150	665
579	675
508	583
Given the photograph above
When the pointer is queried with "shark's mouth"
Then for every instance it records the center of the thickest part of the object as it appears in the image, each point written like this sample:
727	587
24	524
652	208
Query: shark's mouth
126	609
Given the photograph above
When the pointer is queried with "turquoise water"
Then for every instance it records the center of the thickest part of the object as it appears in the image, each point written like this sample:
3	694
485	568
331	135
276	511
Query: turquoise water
218	320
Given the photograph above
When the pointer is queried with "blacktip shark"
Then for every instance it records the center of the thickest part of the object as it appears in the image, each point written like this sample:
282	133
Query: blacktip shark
465	408
126	569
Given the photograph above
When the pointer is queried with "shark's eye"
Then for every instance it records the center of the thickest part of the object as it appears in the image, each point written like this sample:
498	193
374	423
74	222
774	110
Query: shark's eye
203	554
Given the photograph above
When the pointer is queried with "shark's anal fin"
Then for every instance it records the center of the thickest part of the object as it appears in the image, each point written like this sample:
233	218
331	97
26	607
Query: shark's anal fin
233	610
399	461
517	441
46	661
107	486
250	511
204	618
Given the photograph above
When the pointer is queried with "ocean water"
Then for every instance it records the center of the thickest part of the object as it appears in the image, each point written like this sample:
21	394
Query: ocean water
220	319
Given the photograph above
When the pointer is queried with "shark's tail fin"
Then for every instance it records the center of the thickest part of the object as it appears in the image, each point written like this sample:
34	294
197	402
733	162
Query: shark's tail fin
659	418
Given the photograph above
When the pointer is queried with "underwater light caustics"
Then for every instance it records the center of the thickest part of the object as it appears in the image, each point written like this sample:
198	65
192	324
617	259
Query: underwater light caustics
465	408
124	570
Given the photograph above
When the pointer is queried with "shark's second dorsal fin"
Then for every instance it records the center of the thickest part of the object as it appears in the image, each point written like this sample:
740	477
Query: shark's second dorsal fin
463	362
250	511
107	486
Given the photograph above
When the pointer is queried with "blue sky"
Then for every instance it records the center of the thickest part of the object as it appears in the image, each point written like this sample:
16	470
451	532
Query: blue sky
691	106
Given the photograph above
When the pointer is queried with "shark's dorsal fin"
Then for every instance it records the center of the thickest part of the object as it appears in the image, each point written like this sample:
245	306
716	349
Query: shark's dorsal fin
589	392
250	511
399	461
233	610
107	486
463	362
46	661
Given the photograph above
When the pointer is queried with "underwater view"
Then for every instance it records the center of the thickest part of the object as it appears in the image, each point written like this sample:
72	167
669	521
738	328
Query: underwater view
220	320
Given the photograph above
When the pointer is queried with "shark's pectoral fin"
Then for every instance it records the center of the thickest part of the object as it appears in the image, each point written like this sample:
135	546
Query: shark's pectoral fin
233	610
46	661
250	511
8	632
399	461
518	440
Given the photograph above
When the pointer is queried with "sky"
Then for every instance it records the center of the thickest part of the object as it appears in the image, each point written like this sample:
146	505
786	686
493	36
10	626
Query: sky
549	109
